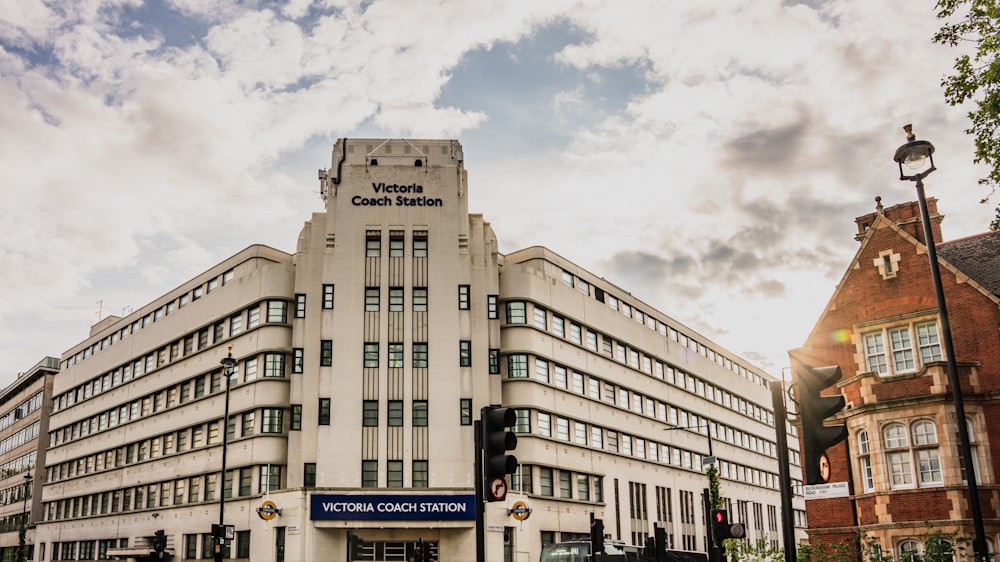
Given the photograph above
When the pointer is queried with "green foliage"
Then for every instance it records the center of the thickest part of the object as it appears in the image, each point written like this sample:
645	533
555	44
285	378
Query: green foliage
761	551
714	495
846	551
976	78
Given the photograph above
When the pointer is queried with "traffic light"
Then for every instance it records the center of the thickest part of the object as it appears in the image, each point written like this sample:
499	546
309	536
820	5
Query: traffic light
497	440
660	543
160	543
813	410
354	545
596	536
419	552
722	529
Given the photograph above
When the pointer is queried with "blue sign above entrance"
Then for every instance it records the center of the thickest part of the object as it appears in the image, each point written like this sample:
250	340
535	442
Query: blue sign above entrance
379	507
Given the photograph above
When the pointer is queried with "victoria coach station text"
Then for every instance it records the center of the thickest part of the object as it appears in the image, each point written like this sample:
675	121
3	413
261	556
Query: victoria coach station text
406	195
393	507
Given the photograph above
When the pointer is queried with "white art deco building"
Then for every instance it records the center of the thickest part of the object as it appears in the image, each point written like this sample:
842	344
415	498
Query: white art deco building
363	360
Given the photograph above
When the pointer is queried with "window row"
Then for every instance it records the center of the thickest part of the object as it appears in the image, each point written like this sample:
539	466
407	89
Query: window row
397	244
268	365
603	344
22	436
275	312
912	456
239	482
392	472
658	326
570	379
18	465
263	421
899	350
146	320
22	410
596	437
557	483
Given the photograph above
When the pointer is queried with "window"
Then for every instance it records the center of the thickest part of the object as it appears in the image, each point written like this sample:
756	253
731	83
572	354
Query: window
243	544
565	484
394	474
396	244
296	421
373	244
309	475
249	370
541	318
926	453
326	353
494	361
544	424
420	244
463	297
419	413
327	296
274	365
369	413
300	305
465	353
235	325
371	355
369	474
465	411
493	307
324	412
420	474
271	422
928	342
420	355
517	366
277	312
395	413
298	360
516	313
246	477
911	551
253	317
420	299
395	356
897	455
371	299
545	481
395	299
247	424
865	461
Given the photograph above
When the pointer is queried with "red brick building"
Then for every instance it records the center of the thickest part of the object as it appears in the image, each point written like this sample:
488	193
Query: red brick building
881	326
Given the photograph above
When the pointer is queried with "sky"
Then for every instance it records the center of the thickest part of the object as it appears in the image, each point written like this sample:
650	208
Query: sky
709	157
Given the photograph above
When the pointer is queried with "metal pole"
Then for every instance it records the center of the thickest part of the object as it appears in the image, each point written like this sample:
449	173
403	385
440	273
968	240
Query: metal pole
480	493
228	364
26	518
979	543
785	484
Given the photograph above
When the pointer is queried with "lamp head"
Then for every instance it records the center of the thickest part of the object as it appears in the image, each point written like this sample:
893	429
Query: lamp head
915	153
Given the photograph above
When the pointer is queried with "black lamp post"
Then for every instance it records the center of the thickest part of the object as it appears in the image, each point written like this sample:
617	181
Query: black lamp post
918	155
228	370
25	518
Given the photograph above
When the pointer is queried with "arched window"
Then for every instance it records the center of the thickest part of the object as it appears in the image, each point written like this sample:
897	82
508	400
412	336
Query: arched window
925	444
911	551
897	455
865	462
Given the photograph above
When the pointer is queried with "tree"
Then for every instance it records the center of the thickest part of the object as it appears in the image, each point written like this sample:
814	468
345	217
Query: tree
976	78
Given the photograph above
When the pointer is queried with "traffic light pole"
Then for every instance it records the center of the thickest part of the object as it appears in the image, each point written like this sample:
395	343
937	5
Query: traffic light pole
784	478
480	494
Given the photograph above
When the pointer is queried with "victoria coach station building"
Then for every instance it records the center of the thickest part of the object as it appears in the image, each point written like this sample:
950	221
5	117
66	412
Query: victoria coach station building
358	367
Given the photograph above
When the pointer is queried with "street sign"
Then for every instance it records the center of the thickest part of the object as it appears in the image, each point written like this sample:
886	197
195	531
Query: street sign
498	489
824	491
709	460
519	510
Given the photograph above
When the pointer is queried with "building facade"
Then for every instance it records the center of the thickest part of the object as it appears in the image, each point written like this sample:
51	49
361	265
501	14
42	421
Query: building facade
24	417
362	363
881	326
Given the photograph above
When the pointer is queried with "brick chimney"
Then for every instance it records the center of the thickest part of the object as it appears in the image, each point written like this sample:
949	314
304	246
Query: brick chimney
905	216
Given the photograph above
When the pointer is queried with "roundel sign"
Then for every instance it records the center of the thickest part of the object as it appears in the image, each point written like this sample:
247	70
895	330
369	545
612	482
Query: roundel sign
268	510
520	510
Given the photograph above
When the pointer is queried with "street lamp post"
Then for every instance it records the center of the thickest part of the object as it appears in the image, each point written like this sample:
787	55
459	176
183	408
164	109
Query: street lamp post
918	155
25	518
228	369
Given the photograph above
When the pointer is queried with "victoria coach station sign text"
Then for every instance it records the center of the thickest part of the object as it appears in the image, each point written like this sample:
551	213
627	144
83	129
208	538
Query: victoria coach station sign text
404	195
333	507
